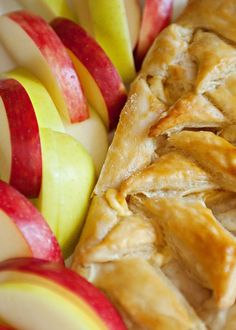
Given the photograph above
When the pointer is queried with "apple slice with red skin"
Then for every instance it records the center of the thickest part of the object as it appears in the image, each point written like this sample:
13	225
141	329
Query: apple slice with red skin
36	47
3	327
25	228
156	16
45	281
21	160
100	80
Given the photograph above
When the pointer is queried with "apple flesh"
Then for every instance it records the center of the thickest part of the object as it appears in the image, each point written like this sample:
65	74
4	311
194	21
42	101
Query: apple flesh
20	141
52	296
82	11
48	9
8	6
134	13
110	26
23	231
6	62
100	80
156	16
67	182
36	47
45	110
92	134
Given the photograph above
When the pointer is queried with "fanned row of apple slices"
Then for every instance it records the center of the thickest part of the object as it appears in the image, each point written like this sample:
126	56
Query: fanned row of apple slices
38	157
40	293
37	47
124	28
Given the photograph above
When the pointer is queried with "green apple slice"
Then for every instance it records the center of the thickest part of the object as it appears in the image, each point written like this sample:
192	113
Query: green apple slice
111	30
81	8
49	9
45	110
67	182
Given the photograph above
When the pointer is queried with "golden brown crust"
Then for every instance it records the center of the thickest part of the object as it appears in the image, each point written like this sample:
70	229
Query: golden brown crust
159	239
215	15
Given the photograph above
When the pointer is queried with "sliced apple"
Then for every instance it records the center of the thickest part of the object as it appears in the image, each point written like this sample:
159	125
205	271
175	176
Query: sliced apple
82	11
67	182
156	16
92	134
178	8
21	162
6	62
110	26
36	47
8	6
99	78
23	231
134	13
51	296
48	9
45	110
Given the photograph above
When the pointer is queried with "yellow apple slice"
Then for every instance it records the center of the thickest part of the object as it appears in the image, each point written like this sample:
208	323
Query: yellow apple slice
92	134
67	182
111	30
133	12
45	110
36	47
48	9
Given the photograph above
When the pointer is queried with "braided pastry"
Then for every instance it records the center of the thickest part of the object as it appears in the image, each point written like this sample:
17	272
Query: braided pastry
159	238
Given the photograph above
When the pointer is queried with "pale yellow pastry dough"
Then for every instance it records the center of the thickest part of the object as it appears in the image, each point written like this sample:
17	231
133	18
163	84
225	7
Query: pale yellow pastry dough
159	238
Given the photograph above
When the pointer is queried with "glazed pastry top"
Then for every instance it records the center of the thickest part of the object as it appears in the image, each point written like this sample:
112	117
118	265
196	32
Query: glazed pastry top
159	238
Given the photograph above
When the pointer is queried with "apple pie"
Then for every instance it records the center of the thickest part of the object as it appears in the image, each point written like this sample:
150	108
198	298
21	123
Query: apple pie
159	238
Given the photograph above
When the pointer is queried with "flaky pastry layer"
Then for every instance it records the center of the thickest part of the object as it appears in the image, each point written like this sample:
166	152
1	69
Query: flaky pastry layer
159	238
